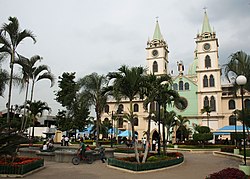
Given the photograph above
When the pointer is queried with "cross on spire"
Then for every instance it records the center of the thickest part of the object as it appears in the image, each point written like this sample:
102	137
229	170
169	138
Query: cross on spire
157	17
205	8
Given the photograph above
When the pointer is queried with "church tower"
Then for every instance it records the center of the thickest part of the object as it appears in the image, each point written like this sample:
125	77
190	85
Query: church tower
157	53
208	74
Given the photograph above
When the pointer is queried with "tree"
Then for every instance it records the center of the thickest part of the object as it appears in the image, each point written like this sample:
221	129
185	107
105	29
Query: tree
169	121
239	64
128	83
4	77
182	127
207	110
202	134
77	114
36	110
10	38
69	88
152	89
93	88
32	72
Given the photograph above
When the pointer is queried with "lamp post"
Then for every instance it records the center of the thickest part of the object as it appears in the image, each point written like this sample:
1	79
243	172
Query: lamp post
241	81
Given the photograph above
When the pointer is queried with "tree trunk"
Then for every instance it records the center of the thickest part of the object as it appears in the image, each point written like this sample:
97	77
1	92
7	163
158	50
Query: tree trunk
24	119
163	130
148	141
32	90
10	85
97	127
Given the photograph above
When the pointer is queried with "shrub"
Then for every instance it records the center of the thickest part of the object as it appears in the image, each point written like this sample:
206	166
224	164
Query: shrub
227	173
229	149
152	158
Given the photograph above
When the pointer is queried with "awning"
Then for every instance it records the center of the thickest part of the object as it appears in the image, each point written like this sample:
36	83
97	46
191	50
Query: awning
221	133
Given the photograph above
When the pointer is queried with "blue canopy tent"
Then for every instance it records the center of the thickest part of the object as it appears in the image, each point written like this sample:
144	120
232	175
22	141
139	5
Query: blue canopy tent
226	130
125	133
114	131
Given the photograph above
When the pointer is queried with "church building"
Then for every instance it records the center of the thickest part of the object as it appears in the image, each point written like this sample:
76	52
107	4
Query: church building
202	85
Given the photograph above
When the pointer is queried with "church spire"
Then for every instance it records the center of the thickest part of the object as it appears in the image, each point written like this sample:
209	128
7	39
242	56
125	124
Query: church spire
206	26
157	32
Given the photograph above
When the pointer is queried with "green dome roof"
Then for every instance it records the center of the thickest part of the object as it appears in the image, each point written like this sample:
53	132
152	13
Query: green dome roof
192	67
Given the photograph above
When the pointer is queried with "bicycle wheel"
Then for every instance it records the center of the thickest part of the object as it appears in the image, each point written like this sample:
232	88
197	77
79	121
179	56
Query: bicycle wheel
75	160
90	159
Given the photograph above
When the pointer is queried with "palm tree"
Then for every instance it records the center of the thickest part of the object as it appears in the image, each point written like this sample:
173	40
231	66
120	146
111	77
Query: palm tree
152	92
33	73
239	64
128	84
181	123
207	110
10	37
35	110
169	121
93	86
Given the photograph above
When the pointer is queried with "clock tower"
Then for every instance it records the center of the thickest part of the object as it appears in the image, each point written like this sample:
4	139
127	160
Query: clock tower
157	53
208	73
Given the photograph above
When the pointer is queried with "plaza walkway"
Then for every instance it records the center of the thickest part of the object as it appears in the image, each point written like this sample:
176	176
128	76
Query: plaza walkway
196	166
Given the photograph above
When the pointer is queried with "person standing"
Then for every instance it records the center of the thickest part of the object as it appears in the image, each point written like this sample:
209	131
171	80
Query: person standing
66	139
153	145
102	153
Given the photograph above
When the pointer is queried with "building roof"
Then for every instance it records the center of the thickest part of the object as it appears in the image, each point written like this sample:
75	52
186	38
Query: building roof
206	26
157	32
192	67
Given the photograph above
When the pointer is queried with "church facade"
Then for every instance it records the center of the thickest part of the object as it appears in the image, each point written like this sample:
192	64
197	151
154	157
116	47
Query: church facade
201	86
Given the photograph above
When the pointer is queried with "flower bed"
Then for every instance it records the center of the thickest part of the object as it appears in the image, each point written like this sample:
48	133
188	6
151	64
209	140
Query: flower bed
130	163
230	173
20	166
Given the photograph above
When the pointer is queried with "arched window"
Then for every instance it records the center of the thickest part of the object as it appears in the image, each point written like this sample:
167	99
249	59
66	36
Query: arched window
205	81
212	104
211	81
155	67
120	109
106	109
247	103
186	86
175	86
231	104
206	102
136	108
136	121
207	61
180	85
232	120
106	120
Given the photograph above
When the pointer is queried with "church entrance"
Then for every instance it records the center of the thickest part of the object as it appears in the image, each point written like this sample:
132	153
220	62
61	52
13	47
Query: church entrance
155	138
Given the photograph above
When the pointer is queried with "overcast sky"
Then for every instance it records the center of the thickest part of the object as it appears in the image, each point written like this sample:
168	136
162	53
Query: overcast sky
86	36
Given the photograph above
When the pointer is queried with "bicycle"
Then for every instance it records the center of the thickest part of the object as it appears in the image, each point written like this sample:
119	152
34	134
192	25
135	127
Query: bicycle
87	156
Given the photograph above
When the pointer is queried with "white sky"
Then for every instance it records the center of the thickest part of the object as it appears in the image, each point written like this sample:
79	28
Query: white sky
86	36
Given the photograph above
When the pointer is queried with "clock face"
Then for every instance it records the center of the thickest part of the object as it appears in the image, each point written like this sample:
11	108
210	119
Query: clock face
154	53
206	46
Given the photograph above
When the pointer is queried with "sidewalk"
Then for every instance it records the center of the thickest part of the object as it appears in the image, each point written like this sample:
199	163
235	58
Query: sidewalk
195	166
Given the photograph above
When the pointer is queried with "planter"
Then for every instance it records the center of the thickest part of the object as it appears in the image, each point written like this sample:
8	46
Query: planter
144	166
22	167
236	151
245	169
175	146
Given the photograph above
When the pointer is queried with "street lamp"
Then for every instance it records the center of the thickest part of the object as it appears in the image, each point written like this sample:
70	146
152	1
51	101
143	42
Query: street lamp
241	81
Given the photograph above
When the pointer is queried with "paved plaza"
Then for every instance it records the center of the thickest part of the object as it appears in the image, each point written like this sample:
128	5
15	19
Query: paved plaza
195	166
